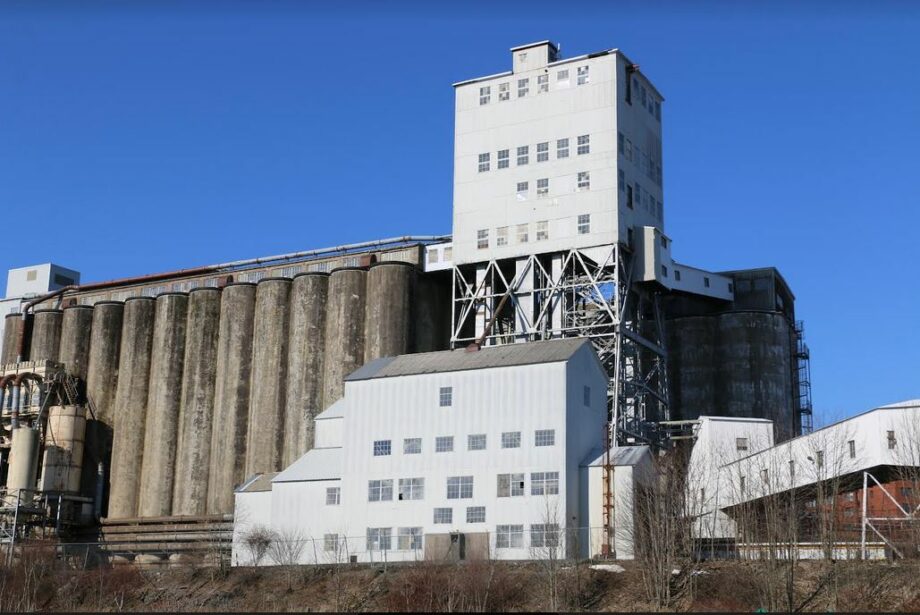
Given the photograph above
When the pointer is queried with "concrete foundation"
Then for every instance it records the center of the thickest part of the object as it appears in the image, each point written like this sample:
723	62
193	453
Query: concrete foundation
231	396
197	404
130	410
161	433
307	335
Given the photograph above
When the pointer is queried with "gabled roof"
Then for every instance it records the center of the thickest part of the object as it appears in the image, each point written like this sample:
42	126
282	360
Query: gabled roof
335	411
316	464
619	456
256	483
530	353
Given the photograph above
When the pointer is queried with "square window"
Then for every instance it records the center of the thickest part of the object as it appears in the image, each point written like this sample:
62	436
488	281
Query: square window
543	151
444	444
542	230
411	489
522	232
523	87
562	148
381	448
562	76
521	191
485	95
482	239
459	487
446	394
584	144
378	538
544	483
542	187
476	442
544	535
583	77
484	162
380	490
511	439
584	180
509	537
741	444
412	446
443	515
409	538
510	485
542	83
544	437
501	236
476	514
504	91
503	159
584	224
330	542
333	496
523	155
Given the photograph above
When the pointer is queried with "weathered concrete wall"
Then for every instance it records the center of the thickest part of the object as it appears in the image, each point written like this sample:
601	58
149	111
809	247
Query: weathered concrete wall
46	335
166	368
231	397
197	405
76	332
11	326
345	310
265	436
388	314
307	335
130	408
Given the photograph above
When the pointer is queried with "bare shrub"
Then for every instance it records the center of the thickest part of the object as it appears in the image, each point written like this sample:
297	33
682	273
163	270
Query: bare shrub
258	542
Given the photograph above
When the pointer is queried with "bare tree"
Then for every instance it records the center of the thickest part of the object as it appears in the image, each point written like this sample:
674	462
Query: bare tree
257	541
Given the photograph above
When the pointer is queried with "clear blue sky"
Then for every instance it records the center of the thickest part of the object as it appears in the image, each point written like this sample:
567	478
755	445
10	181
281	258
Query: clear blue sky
139	137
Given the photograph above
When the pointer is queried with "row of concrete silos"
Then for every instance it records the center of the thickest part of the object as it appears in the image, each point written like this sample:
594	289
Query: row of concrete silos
194	392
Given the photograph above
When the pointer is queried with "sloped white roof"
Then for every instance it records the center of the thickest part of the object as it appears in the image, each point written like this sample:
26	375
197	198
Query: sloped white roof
907	403
317	464
335	411
619	456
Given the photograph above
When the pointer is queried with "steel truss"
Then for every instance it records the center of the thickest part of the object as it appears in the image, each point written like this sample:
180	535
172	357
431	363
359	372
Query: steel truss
579	293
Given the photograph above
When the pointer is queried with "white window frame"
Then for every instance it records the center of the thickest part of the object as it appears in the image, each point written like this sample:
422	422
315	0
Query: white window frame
544	437
380	490
523	87
485	162
504	91
509	537
383	448
379	538
542	83
501	236
446	394
409	539
583	144
411	489
583	76
544	535
542	187
521	190
542	230
562	78
562	148
523	233
583	181
544	483
523	155
443	516
511	485
584	224
333	496
482	239
459	487
412	446
543	151
444	444
485	95
330	543
476	442
511	439
503	159
475	514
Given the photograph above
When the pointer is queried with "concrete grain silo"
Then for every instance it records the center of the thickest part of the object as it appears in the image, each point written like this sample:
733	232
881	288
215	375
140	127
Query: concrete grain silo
76	333
306	348
161	431
12	324
345	313
388	313
62	459
46	335
265	436
231	396
130	410
197	403
693	368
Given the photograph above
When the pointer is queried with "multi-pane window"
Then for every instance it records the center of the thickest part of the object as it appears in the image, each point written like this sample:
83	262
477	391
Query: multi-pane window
892	440
851	444
544	483
380	490
446	394
485	94
521	191
333	496
412	446
543	151
542	83
501	236
562	148
584	145
741	444
542	230
510	485
523	155
544	535
482	239
586	395
475	514
330	542
444	444
544	437
511	439
382	448
523	232
584	224
443	515
409	538
503	159
584	180
459	487
523	87
621	180
484	162
583	77
411	488
509	537
542	187
379	538
476	442
504	91
562	78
